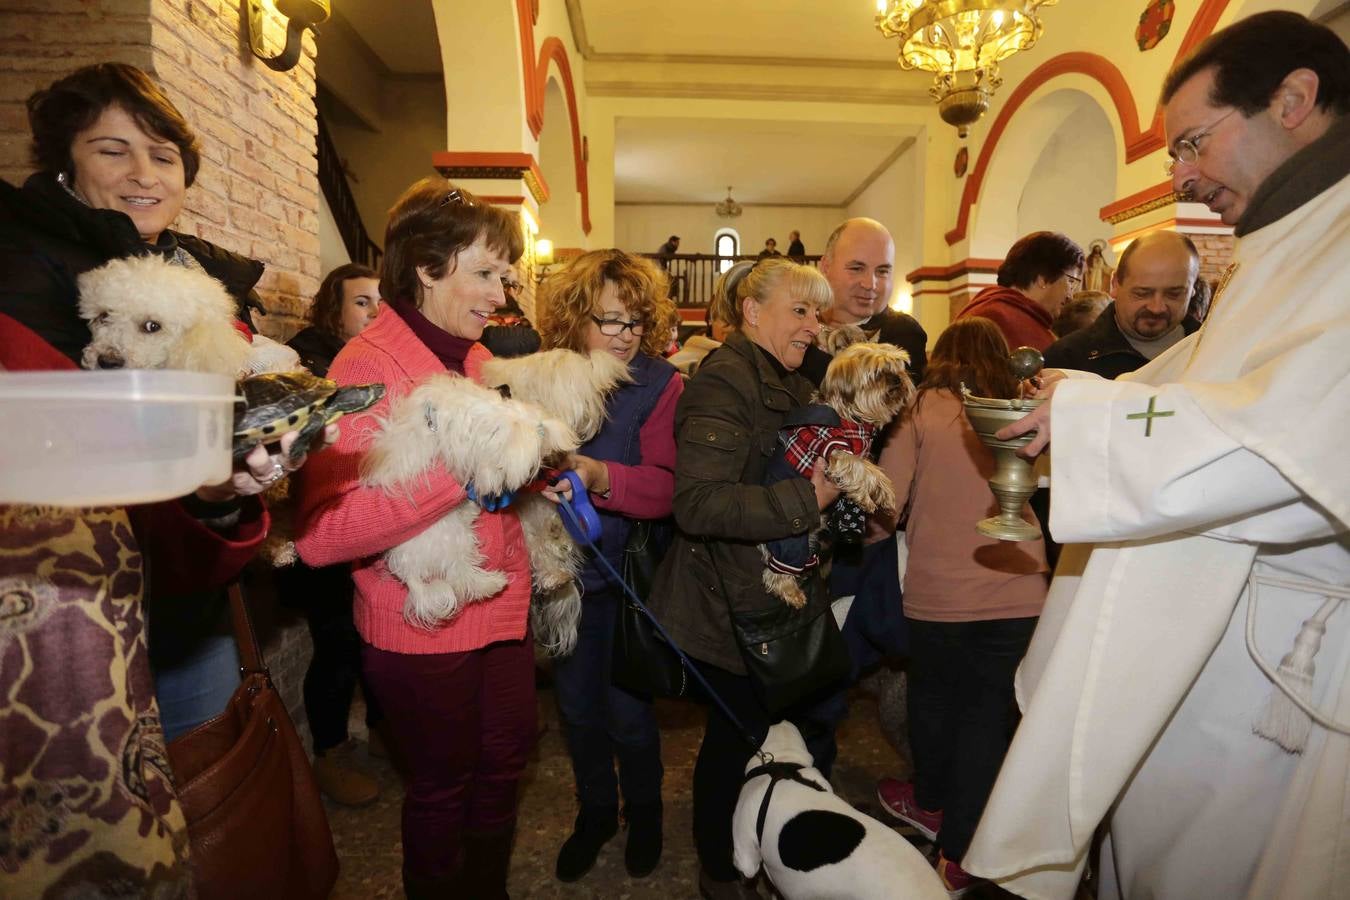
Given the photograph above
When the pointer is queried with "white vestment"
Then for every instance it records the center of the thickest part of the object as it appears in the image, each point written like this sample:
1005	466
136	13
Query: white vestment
1138	691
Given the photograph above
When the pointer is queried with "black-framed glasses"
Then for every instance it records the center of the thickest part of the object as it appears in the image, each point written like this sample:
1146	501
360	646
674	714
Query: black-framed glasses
1188	151
616	327
1075	280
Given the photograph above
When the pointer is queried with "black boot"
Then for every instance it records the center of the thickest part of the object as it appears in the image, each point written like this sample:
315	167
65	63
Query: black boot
643	850
487	859
429	887
593	830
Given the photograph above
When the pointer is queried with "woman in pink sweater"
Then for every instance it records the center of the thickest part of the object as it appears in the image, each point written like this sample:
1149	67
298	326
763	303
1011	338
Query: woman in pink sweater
459	697
971	602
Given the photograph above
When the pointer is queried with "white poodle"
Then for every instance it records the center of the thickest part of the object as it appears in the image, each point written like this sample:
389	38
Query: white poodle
811	843
148	313
574	387
483	439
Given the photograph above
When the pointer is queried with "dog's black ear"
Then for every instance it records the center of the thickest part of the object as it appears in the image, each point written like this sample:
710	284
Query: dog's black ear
818	837
504	390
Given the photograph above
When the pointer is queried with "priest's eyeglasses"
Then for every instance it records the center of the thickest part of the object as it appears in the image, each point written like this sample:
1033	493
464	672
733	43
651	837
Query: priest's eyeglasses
1188	150
616	327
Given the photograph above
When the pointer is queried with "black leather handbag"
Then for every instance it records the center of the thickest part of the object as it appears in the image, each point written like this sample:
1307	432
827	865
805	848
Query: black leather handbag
643	662
791	655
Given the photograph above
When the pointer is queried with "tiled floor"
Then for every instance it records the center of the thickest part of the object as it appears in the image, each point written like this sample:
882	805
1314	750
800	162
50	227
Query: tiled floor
368	839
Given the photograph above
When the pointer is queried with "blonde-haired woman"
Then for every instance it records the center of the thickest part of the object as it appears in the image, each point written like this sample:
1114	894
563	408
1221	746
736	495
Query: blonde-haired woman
614	302
726	429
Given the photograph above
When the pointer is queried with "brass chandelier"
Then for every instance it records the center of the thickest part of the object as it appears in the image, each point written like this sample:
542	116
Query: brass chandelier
961	42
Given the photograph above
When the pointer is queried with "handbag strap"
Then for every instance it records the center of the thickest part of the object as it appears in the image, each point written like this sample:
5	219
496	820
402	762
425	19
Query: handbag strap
250	654
567	512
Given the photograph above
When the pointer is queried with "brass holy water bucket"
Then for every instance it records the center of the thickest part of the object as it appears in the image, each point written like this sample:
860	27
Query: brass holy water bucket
1014	478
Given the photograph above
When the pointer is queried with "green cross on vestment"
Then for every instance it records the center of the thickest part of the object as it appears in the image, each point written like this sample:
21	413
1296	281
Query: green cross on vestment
1149	415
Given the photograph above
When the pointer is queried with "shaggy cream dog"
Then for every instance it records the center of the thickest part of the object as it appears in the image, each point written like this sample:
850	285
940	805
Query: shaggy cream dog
575	388
812	844
484	440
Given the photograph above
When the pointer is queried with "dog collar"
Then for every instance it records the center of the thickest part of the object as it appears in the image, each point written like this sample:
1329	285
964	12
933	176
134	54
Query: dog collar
777	771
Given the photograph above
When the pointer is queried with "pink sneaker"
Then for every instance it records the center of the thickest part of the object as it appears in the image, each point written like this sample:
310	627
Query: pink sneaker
897	798
955	879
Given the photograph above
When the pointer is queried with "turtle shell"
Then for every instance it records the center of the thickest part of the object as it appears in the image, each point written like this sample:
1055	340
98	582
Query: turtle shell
276	403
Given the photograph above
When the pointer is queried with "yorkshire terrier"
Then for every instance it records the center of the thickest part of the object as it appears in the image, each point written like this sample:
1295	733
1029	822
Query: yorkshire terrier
865	387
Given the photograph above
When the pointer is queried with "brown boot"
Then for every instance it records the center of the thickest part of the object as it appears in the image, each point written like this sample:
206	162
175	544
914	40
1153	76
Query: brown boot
343	784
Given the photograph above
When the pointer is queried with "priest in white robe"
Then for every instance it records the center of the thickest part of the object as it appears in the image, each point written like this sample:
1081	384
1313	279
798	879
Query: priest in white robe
1206	494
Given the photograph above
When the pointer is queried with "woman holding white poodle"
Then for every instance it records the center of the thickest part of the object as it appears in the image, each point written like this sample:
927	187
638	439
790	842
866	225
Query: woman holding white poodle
458	697
609	301
115	159
971	602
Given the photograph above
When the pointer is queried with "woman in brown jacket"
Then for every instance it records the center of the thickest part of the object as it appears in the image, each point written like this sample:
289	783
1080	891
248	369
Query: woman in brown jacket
726	429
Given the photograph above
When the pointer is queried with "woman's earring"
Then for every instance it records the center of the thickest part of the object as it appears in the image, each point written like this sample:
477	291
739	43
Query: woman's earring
63	179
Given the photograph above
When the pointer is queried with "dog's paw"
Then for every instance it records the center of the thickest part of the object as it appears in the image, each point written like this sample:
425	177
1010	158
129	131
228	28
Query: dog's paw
473	583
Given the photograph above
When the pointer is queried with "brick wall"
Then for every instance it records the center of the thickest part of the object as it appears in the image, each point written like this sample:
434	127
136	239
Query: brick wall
257	193
1216	252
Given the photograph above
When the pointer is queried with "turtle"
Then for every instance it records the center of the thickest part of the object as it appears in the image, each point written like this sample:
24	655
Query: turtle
270	405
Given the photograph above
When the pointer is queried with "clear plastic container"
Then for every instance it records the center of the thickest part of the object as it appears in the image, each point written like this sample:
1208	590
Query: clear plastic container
110	438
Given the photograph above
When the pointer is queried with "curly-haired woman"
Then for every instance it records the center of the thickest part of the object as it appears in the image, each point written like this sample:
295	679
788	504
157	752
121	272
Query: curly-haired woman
614	302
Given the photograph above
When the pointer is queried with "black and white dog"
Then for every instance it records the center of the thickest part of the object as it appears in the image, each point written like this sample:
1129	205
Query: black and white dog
812	844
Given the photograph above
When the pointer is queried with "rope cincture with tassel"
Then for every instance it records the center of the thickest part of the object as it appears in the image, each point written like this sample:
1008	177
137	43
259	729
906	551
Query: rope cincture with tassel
1287	715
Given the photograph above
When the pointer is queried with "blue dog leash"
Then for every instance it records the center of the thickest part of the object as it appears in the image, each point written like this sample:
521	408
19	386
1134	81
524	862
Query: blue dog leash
583	524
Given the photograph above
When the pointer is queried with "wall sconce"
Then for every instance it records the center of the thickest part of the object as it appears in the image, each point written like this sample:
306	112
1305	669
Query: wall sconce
300	14
543	258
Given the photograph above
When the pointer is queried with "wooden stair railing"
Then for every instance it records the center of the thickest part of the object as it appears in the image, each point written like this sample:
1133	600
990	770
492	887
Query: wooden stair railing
693	275
338	193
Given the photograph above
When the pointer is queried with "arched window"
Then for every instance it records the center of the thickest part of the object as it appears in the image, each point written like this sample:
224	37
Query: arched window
726	244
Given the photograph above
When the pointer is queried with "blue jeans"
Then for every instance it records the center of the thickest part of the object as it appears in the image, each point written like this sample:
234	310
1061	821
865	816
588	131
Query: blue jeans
602	722
198	686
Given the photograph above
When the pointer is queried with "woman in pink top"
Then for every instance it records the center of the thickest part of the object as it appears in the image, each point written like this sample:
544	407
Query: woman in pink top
609	301
459	697
971	602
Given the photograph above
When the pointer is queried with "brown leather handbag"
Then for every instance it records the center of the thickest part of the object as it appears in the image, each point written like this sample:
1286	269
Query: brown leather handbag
255	820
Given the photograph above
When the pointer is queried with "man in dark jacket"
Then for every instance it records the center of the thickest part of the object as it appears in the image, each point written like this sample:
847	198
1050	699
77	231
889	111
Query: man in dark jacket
859	263
1152	287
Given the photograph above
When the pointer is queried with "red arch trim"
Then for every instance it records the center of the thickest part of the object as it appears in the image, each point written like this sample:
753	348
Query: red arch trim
1138	142
1090	64
535	71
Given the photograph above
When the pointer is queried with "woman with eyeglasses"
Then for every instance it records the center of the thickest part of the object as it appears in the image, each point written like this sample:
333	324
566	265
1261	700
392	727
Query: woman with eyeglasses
614	302
458	698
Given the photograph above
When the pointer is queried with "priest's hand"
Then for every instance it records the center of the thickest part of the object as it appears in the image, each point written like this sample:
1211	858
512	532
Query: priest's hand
1038	420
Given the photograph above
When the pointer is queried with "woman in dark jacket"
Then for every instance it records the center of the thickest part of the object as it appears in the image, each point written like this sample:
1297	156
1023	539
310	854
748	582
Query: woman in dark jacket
727	426
115	159
348	300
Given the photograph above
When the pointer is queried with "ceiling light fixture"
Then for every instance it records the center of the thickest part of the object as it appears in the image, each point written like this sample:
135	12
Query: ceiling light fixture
729	208
961	42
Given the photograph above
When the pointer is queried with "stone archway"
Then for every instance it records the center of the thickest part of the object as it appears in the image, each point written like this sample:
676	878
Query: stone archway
1054	168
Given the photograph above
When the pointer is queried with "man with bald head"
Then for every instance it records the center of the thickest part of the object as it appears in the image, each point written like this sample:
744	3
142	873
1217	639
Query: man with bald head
859	263
1151	289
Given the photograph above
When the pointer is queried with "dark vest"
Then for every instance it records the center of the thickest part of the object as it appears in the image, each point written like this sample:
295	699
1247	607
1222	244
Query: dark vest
618	441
